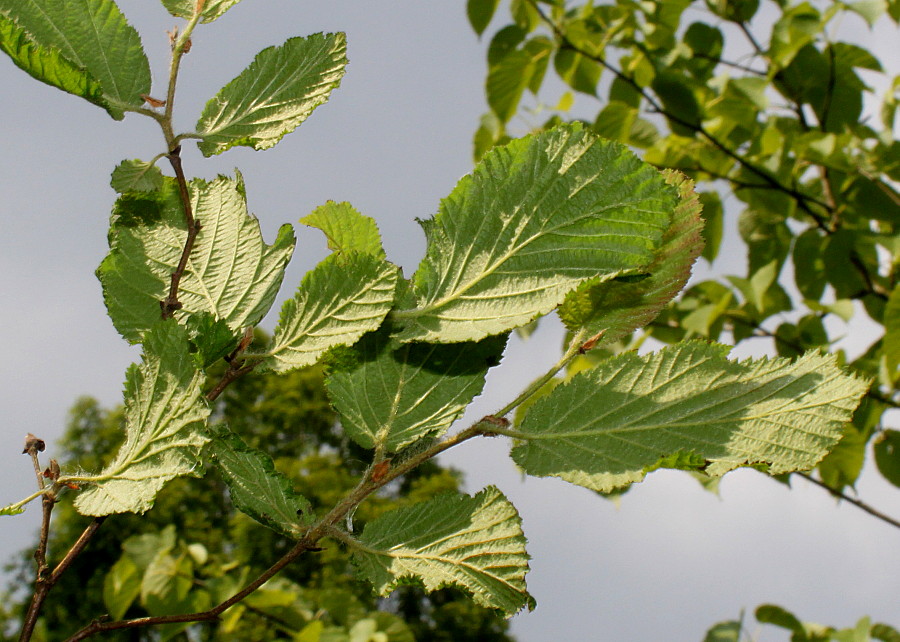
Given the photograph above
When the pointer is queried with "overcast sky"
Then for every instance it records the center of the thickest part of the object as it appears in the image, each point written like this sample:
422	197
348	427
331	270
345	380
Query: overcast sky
667	563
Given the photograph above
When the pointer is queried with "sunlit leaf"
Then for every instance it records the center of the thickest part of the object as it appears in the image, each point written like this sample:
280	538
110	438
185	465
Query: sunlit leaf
608	426
212	9
475	543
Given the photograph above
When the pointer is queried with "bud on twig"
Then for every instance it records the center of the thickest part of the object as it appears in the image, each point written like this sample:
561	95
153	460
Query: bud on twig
33	445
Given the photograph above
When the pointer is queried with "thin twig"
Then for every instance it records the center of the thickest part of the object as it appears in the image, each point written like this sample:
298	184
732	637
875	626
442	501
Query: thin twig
887	519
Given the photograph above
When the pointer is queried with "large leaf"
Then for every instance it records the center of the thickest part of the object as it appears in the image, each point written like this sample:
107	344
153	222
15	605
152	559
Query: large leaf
390	394
475	543
256	488
46	64
272	96
533	221
164	428
231	273
687	406
70	35
344	297
618	307
212	9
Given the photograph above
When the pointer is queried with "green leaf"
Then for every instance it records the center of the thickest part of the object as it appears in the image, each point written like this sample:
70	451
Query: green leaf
578	71
887	455
211	10
619	307
891	342
480	13
533	221
11	509
271	97
842	466
724	632
507	81
121	586
870	10
164	428
884	632
346	229
210	337
91	35
136	176
475	543
344	297
608	426
47	64
390	395
681	106
256	488
166	584
231	272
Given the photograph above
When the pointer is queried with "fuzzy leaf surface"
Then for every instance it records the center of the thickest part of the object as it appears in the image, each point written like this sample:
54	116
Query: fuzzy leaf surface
231	273
346	229
91	35
391	394
475	543
211	10
620	307
47	64
165	416
534	220
688	406
341	299
256	488
271	97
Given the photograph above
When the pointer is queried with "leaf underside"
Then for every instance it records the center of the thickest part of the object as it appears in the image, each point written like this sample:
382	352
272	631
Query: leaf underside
271	97
393	394
256	488
475	543
165	417
617	308
231	273
687	406
212	9
533	221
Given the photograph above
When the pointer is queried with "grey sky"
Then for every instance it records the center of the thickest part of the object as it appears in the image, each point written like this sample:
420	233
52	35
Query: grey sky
669	562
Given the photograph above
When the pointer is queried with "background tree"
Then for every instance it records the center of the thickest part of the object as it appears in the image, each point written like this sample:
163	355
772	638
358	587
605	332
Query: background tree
224	544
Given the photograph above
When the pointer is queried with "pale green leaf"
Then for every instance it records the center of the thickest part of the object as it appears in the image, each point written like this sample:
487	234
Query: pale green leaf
166	583
164	428
506	82
475	543
121	586
390	394
11	509
277	92
346	229
891	342
870	10
136	176
344	297
534	220
256	488
212	9
92	35
231	272
691	406
616	307
47	64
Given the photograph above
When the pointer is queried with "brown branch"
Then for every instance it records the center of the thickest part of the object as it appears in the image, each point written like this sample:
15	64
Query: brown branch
887	519
171	304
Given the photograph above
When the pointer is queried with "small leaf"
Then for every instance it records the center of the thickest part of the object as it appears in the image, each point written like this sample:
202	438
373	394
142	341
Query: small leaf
608	426
390	394
212	9
271	97
887	455
164	428
344	297
91	35
506	82
475	543
616	307
12	509
534	220
256	488
231	273
136	176
480	13
346	229
121	586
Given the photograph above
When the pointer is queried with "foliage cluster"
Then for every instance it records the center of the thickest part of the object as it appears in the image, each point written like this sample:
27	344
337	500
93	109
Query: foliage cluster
562	220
